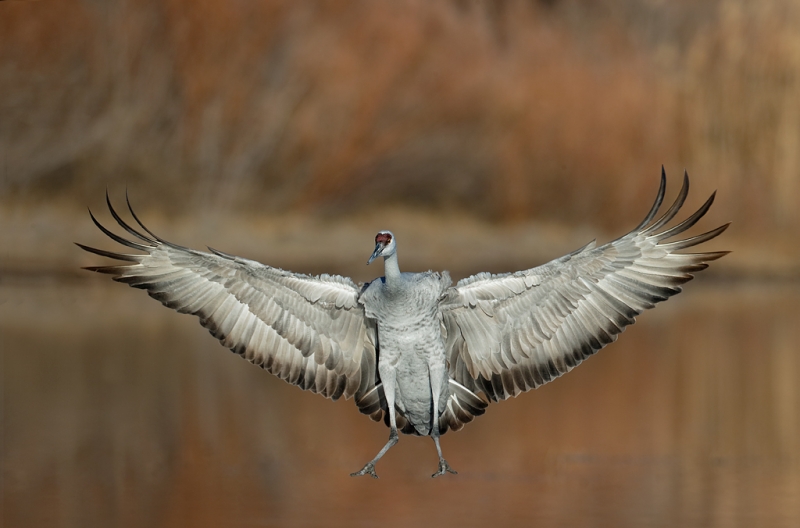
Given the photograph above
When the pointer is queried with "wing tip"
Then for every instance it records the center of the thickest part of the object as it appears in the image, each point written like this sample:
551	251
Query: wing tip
662	188
715	255
108	270
221	253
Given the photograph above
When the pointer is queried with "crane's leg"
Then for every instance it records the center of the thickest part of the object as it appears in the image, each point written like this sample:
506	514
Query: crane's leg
388	380
437	377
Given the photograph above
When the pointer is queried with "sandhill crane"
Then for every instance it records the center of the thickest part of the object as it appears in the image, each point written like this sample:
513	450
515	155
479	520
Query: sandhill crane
409	347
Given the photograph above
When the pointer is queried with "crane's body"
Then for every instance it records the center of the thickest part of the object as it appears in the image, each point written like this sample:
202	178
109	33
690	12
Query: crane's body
410	348
412	364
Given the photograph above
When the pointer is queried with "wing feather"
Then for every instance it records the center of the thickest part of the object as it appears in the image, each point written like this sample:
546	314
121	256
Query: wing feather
309	331
512	332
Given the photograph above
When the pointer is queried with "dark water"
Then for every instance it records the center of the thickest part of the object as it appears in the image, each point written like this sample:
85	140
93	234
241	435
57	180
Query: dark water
118	412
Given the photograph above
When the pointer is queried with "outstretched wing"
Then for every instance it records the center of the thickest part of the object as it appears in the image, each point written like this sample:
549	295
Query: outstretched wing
309	331
510	333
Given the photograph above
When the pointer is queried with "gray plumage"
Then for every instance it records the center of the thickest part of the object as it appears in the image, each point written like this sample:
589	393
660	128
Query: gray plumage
410	348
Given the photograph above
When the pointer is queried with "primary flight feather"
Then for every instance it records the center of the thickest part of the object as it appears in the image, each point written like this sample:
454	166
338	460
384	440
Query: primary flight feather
409	347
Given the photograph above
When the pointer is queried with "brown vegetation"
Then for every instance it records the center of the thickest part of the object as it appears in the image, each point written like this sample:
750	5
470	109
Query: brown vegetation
558	110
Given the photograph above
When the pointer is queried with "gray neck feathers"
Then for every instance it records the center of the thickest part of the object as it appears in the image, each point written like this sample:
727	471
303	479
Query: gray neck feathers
391	270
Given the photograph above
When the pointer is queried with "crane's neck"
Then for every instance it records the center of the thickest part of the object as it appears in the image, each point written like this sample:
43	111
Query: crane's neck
391	270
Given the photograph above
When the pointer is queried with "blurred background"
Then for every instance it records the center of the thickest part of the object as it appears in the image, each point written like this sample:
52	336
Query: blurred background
489	136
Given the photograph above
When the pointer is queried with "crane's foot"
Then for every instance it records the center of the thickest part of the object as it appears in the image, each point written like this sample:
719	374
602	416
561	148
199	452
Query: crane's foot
444	467
369	469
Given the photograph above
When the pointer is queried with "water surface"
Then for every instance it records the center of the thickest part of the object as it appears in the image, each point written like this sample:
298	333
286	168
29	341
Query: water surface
119	412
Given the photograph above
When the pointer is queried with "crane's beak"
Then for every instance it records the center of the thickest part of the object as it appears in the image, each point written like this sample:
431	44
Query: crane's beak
376	253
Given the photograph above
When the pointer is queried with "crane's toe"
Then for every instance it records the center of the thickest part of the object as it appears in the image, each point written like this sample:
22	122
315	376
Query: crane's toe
444	467
369	469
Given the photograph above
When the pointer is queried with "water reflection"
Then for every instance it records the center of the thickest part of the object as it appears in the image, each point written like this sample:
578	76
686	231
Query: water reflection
118	412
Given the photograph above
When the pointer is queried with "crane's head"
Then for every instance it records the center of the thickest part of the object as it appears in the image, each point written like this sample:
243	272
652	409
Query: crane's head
385	245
